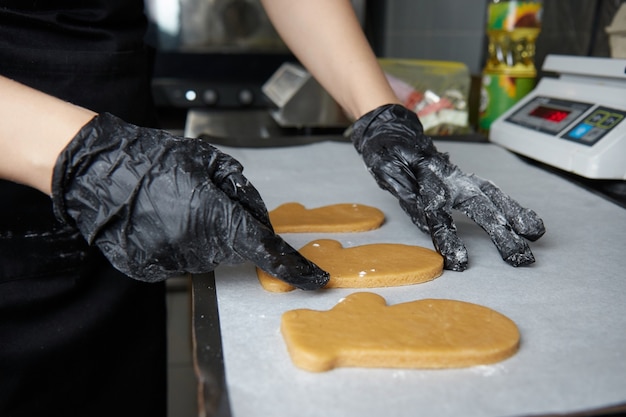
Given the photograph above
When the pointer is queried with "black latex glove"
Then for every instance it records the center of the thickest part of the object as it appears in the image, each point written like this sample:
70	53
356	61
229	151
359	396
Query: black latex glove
405	162
158	205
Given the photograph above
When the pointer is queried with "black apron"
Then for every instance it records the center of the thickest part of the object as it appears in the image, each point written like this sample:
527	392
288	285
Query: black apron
77	338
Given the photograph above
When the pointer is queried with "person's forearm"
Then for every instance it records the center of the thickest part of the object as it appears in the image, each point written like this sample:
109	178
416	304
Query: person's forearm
34	129
326	37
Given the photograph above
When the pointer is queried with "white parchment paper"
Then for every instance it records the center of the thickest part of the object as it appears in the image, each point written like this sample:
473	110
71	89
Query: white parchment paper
570	305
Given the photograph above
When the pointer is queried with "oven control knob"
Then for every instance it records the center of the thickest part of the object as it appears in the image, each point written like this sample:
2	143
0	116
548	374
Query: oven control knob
246	97
210	97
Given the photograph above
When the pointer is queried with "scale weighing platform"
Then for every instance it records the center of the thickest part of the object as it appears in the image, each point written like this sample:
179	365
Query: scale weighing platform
576	122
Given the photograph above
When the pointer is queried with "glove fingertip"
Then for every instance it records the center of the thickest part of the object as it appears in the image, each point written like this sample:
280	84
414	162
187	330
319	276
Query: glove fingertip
520	259
451	248
313	281
533	230
456	261
305	276
287	264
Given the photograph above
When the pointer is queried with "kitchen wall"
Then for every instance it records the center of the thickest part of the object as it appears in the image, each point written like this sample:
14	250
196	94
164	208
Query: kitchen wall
425	29
454	29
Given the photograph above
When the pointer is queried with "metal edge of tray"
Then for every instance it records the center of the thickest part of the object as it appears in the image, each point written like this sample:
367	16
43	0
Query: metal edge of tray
208	358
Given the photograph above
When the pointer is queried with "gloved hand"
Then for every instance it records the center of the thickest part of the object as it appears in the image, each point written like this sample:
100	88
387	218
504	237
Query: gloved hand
406	163
158	205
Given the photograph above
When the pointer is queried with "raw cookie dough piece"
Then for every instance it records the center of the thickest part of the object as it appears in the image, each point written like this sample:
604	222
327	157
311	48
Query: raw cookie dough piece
362	331
367	266
334	218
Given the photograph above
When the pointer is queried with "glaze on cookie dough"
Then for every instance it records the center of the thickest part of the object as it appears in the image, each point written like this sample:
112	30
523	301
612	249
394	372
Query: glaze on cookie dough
366	266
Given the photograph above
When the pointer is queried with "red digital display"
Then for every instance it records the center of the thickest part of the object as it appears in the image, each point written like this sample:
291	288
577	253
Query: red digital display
549	113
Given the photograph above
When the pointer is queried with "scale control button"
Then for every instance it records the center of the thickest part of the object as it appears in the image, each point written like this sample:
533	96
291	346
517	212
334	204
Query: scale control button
580	131
596	117
594	135
611	120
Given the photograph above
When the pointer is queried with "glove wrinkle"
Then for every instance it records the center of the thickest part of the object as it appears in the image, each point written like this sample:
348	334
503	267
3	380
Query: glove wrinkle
524	221
238	188
405	162
160	206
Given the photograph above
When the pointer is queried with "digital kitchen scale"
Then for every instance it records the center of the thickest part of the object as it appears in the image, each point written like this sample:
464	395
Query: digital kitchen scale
576	122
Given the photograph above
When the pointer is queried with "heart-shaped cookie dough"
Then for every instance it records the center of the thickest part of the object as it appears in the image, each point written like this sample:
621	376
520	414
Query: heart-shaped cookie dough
334	218
363	331
366	266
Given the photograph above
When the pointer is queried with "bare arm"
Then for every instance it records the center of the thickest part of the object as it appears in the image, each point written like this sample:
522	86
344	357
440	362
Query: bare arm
34	128
326	37
161	192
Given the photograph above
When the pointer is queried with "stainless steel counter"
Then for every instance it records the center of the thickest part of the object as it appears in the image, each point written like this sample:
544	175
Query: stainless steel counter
569	305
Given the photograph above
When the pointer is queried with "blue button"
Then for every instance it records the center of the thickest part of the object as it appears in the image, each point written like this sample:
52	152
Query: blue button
580	131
